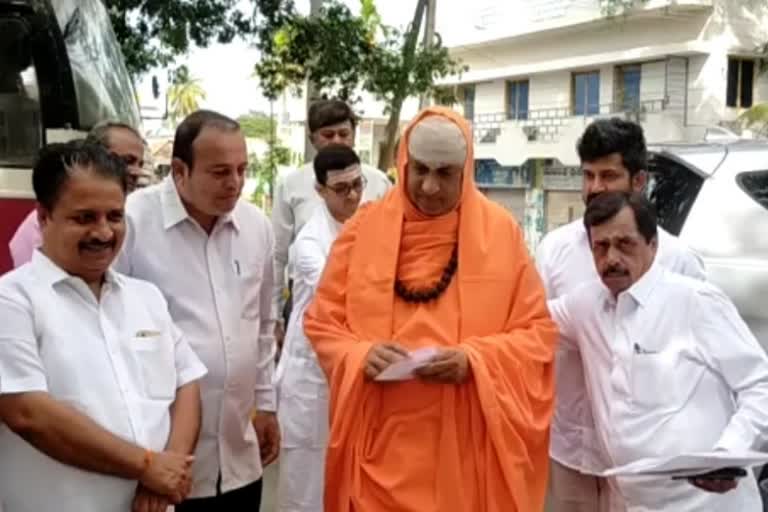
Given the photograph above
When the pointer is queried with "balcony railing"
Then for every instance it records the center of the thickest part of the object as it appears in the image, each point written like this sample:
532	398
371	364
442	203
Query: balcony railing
544	125
489	173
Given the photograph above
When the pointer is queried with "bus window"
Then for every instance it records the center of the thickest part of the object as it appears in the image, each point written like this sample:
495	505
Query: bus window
20	119
104	90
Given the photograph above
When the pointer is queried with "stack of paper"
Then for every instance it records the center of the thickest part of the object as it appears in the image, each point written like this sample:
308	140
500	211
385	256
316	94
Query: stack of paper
690	464
403	370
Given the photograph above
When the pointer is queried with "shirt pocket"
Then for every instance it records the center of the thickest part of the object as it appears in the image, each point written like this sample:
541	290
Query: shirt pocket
663	380
251	278
154	355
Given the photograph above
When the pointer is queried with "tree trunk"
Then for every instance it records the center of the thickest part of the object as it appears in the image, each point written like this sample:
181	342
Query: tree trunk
409	50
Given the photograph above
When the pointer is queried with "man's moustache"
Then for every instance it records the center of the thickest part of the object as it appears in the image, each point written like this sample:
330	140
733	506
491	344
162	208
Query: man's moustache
96	245
615	272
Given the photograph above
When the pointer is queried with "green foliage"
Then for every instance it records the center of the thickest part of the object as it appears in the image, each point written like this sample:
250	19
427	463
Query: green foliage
330	50
184	95
613	7
756	118
264	171
257	125
342	53
152	33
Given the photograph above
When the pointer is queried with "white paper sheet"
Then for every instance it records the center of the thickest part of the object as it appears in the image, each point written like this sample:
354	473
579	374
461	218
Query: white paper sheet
403	370
690	464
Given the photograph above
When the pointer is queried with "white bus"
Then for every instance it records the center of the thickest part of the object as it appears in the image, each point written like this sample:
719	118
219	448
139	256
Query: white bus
61	72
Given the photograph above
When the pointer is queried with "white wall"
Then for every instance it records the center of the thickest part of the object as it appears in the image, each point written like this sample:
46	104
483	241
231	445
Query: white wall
629	36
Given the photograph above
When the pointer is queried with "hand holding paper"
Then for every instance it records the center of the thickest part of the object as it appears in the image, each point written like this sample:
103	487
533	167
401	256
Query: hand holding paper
381	356
403	368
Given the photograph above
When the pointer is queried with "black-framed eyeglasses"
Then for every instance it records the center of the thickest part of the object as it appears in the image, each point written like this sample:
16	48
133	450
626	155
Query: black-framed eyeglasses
343	189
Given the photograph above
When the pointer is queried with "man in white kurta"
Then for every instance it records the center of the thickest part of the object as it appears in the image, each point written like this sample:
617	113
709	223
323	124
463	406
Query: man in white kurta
613	158
98	388
296	199
670	366
301	385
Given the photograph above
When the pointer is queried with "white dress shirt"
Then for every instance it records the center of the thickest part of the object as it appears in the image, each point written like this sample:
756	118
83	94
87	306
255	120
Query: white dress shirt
564	260
671	369
295	201
301	384
219	288
118	360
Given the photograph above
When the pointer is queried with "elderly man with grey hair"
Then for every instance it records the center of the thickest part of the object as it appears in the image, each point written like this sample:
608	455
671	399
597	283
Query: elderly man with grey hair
121	139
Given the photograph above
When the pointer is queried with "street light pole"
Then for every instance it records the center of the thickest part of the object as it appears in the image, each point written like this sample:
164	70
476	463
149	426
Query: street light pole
429	38
309	150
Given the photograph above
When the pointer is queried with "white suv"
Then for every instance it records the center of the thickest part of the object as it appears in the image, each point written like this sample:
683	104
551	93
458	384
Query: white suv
715	197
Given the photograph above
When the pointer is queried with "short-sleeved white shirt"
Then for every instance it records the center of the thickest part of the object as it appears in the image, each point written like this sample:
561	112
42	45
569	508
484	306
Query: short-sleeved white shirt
118	360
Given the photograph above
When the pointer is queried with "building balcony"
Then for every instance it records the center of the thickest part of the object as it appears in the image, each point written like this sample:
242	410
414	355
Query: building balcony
547	124
504	21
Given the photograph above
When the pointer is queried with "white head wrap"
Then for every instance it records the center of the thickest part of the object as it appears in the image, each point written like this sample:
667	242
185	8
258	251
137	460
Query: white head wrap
436	142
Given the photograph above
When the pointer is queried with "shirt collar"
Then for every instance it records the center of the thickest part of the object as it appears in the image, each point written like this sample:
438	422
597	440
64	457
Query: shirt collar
174	211
51	274
642	289
334	226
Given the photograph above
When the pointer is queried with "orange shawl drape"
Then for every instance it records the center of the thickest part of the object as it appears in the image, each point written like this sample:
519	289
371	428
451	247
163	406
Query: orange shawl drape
490	442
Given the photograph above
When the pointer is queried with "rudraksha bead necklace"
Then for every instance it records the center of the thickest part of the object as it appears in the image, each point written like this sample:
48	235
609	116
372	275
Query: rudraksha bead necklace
429	294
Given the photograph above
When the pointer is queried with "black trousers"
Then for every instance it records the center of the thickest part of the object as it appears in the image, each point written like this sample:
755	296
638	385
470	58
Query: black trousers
288	307
244	499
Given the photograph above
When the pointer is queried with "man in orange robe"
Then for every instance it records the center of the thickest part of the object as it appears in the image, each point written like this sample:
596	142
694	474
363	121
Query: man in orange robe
435	264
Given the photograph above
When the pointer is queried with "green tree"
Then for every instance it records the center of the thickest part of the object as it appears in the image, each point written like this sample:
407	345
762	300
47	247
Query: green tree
184	95
153	33
756	118
341	53
257	125
264	171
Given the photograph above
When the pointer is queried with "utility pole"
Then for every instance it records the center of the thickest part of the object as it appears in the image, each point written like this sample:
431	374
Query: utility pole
309	150
429	39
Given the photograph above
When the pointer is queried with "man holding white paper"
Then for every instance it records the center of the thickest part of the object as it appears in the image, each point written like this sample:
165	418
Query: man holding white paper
671	368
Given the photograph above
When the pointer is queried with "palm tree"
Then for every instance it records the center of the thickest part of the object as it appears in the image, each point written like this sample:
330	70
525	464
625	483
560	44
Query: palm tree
184	95
757	117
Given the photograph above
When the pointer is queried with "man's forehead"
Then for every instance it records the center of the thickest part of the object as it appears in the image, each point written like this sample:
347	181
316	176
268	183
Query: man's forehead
436	142
344	125
123	136
616	228
351	173
611	162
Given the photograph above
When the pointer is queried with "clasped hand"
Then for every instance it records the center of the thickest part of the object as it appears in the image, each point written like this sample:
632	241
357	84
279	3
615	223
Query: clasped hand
449	365
166	481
